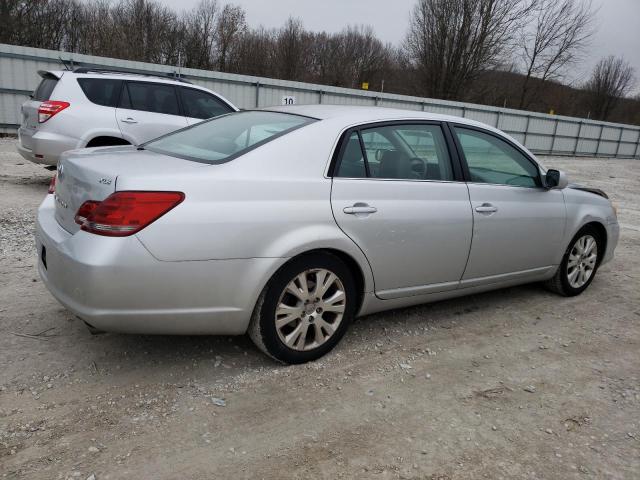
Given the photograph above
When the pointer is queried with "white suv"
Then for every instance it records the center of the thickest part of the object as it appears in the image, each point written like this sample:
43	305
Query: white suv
95	108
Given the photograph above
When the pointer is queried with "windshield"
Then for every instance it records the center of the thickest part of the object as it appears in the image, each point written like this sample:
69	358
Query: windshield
227	137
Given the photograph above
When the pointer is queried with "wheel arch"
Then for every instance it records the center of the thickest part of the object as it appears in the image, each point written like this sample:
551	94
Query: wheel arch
602	234
106	141
356	269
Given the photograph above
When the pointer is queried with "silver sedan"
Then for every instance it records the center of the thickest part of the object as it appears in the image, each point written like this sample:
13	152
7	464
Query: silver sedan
287	223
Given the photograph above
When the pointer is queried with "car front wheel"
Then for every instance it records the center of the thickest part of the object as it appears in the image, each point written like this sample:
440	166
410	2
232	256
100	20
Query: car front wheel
305	310
579	264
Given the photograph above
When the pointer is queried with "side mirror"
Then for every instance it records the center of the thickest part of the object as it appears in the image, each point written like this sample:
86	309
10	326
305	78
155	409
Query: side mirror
556	179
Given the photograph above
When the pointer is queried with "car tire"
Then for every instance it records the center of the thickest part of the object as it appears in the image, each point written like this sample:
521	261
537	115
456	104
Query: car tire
305	309
568	280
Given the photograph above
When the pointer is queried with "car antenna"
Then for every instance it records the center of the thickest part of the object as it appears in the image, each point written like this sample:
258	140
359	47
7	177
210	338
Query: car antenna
64	64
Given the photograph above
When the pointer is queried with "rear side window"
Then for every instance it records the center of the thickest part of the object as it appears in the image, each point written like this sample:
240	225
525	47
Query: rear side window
101	91
199	104
45	89
352	164
400	152
227	137
150	97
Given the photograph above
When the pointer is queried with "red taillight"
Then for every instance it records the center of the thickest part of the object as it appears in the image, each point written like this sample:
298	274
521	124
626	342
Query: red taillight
52	184
49	108
125	213
85	210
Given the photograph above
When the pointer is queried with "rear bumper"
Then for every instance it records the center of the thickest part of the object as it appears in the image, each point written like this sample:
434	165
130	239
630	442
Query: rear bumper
115	284
48	146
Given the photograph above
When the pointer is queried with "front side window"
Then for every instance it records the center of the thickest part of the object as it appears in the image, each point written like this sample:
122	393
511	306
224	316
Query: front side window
101	91
227	137
150	97
403	152
199	104
492	160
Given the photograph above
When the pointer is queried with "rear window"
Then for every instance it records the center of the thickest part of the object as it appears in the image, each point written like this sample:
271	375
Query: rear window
101	91
227	137
199	104
45	89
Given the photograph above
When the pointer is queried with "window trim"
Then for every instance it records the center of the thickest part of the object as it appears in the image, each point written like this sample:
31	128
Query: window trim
125	84
181	88
465	166
336	158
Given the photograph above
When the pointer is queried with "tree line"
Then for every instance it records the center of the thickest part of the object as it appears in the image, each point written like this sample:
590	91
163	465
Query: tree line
513	53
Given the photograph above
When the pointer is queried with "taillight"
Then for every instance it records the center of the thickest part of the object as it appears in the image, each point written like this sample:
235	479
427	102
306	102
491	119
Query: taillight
52	184
49	108
85	210
125	213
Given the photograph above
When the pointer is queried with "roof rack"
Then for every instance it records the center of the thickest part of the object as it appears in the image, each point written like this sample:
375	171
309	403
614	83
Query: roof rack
167	76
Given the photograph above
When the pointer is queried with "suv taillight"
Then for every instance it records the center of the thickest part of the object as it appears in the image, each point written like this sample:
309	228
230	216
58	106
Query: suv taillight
124	213
48	109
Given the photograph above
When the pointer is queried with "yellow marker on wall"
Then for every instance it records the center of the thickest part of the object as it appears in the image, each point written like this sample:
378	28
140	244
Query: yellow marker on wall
365	85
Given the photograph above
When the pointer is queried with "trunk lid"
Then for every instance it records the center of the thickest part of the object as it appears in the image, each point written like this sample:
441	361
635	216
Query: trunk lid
92	174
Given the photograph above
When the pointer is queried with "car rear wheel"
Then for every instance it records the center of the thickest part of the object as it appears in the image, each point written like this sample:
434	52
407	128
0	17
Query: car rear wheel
305	309
579	264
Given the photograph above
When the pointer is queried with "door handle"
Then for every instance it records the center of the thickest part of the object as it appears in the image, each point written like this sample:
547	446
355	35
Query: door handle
128	120
486	208
359	209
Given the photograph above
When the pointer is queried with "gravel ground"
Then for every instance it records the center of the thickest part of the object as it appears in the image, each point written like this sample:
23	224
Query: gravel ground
518	383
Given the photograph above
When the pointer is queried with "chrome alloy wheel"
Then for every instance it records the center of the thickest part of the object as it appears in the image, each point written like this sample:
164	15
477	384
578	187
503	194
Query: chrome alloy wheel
582	261
310	309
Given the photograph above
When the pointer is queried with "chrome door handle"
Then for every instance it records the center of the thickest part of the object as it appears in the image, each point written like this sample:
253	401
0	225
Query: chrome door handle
359	208
128	120
486	208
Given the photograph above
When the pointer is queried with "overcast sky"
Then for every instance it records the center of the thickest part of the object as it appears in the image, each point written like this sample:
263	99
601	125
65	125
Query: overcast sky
618	22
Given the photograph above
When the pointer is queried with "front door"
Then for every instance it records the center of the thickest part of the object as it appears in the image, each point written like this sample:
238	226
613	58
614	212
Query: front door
396	196
518	224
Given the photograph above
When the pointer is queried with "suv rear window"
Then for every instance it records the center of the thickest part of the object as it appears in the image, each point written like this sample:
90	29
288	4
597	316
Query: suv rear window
45	89
227	137
199	104
101	91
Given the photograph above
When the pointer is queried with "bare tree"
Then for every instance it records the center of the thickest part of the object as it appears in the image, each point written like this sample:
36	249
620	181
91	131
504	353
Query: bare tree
231	25
611	80
558	34
200	34
451	41
290	50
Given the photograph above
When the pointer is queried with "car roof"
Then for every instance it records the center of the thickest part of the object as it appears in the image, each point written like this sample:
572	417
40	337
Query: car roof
356	114
352	115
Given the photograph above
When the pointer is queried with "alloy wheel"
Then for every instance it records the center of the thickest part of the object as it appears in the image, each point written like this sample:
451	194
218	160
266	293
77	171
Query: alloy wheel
582	261
310	309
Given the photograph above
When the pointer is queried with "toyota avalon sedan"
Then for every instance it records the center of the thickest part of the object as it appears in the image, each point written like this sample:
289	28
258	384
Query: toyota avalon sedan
287	223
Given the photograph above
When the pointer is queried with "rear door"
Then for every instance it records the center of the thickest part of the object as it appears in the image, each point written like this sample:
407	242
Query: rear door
199	105
29	124
148	110
399	196
518	224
